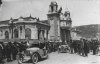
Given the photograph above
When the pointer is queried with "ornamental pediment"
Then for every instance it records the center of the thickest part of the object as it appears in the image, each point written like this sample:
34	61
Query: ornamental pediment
30	18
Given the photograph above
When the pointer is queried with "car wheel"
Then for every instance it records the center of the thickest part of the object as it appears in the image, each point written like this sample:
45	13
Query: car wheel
35	58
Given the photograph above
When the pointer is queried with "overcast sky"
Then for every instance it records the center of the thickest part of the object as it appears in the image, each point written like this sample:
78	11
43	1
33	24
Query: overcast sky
83	12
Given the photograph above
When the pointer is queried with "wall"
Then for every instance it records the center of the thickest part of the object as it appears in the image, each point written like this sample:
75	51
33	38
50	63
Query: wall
34	33
75	36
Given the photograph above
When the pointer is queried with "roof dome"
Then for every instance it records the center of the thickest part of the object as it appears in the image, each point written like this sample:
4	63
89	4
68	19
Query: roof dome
67	11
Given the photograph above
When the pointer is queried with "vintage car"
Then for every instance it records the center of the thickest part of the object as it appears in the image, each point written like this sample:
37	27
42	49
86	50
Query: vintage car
35	53
63	48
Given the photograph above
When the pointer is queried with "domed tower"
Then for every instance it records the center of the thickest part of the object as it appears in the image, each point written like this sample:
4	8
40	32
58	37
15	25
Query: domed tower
53	7
54	21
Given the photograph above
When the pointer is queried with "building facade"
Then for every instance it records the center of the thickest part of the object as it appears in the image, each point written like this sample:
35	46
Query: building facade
60	24
56	28
24	28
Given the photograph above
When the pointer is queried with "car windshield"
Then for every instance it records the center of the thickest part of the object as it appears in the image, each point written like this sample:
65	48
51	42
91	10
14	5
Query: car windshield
34	45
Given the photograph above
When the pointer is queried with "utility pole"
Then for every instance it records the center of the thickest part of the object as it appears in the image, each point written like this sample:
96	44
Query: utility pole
11	23
12	28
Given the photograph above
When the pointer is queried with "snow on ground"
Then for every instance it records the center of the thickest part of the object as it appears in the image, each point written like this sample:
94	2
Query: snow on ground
66	58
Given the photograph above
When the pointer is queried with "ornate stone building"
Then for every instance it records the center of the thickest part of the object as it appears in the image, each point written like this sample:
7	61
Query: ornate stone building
24	28
55	29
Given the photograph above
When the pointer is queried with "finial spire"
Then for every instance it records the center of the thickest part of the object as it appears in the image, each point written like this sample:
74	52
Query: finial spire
30	16
11	18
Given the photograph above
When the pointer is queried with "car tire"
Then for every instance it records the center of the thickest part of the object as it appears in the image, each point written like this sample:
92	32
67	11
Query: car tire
35	58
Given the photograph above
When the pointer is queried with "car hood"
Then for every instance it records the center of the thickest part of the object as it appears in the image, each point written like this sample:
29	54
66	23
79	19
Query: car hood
33	49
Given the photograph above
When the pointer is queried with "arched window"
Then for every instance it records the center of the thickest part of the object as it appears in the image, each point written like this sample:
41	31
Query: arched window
16	33
28	33
38	34
52	9
6	35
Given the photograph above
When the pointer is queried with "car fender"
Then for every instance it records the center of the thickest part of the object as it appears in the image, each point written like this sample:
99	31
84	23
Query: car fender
36	50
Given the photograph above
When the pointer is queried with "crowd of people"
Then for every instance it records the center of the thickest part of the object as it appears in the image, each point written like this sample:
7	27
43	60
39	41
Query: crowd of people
82	47
10	50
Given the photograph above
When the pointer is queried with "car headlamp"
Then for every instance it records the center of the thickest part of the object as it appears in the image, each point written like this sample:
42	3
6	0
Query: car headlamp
30	52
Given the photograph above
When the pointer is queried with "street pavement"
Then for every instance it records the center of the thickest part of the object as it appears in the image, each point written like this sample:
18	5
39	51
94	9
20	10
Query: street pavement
66	58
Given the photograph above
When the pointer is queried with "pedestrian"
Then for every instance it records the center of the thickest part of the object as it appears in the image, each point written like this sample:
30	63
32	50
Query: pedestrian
1	53
4	52
71	46
8	50
75	46
82	47
94	47
86	48
15	50
78	47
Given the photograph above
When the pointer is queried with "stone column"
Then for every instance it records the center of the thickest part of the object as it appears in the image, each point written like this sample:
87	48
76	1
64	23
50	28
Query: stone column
45	34
19	34
23	33
41	36
10	32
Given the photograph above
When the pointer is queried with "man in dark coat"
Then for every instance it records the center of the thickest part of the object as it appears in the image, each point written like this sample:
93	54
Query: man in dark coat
82	47
75	46
8	50
86	48
15	50
71	46
1	52
95	46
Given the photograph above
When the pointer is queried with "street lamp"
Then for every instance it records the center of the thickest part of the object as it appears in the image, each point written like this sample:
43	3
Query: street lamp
11	23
